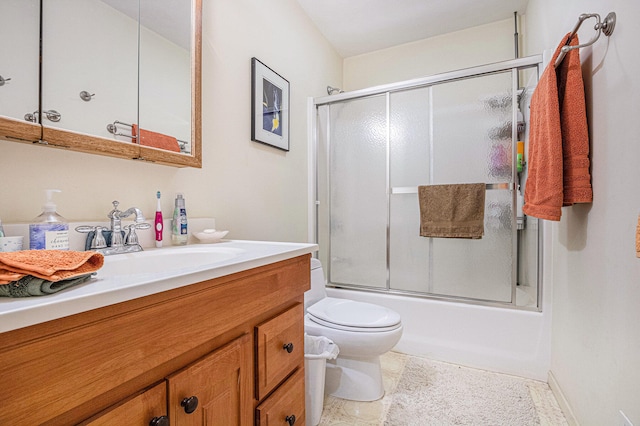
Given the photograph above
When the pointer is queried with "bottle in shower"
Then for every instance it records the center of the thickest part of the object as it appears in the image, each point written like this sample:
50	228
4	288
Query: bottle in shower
179	233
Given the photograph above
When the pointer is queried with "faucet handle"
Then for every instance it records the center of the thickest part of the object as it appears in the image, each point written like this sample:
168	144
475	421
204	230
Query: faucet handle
132	237
85	229
98	239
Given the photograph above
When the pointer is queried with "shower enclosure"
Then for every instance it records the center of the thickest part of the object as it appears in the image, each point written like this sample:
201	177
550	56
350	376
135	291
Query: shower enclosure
374	147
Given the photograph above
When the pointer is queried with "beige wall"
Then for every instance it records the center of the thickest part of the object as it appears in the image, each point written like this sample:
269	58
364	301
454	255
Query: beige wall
255	191
479	45
595	355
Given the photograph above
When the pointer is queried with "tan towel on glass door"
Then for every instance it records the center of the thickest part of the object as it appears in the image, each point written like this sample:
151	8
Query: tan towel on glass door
452	211
559	141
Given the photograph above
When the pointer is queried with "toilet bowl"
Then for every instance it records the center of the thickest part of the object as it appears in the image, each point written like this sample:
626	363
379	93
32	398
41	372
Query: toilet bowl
362	331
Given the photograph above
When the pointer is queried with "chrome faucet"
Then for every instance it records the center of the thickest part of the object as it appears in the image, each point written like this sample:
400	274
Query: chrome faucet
119	244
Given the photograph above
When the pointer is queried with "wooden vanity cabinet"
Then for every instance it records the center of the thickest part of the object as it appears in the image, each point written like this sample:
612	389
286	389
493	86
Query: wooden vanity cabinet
144	359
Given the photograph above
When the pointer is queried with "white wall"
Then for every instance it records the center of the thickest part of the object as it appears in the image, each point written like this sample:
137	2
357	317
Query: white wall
596	300
255	191
479	45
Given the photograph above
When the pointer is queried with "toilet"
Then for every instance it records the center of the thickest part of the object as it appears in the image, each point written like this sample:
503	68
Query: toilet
362	331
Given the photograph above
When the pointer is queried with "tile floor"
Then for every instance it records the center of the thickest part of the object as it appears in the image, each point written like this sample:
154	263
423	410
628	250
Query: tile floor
342	412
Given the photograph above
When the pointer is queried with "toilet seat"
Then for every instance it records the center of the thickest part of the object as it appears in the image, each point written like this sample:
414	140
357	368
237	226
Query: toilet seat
349	315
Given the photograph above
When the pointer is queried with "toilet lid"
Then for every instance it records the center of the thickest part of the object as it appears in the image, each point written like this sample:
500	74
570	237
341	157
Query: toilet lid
347	314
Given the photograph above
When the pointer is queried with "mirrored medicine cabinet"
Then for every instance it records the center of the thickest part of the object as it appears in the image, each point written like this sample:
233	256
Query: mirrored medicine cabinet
120	78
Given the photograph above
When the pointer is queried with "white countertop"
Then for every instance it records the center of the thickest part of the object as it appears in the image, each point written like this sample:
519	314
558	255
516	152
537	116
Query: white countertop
105	289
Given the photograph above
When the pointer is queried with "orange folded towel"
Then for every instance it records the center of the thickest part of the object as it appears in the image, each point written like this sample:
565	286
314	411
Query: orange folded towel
154	139
559	139
575	131
51	265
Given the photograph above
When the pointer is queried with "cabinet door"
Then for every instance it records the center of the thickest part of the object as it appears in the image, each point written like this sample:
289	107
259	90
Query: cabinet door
279	348
19	63
148	408
285	406
215	390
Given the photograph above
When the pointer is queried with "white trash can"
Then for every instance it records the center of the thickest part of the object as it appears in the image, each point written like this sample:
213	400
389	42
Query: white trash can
317	350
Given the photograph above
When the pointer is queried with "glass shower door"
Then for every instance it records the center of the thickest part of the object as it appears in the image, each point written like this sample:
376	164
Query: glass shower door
357	147
472	142
454	132
374	150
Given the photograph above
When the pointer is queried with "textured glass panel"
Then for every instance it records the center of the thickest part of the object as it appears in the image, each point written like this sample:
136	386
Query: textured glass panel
409	167
409	138
409	252
358	192
478	269
472	130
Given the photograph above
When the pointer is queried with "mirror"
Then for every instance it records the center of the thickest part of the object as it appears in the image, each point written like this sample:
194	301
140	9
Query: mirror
129	86
19	69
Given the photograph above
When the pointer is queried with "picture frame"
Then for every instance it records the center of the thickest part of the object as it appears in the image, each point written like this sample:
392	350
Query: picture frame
269	106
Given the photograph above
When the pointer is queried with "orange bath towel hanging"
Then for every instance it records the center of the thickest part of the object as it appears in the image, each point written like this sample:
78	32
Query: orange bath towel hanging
559	140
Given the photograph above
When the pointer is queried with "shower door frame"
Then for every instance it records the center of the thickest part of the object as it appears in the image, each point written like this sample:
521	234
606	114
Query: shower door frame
514	65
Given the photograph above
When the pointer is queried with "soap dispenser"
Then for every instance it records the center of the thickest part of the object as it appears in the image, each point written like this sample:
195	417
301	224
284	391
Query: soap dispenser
49	231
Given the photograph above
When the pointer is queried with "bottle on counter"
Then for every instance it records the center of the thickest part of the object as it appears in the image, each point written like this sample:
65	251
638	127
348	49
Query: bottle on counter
49	231
179	233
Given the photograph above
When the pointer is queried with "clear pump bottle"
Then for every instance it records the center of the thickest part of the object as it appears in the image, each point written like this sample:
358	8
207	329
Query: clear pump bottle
49	231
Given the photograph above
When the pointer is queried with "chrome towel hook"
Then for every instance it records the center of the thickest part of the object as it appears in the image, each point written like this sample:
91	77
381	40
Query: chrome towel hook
605	27
3	80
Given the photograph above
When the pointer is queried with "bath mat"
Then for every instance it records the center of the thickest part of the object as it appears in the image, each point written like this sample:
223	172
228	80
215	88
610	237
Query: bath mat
436	393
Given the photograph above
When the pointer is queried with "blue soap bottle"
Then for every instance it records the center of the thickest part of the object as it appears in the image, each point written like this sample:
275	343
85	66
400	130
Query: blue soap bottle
49	231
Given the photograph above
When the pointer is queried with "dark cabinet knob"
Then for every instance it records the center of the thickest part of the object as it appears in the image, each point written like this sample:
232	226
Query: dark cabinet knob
291	419
159	421
289	348
190	404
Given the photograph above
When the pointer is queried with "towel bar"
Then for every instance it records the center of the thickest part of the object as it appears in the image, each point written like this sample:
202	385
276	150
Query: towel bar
414	189
113	129
606	27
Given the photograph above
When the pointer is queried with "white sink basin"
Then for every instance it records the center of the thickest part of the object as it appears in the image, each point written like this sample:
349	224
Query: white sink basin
166	260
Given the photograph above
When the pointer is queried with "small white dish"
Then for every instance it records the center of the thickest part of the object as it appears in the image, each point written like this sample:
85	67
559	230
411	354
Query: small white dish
209	236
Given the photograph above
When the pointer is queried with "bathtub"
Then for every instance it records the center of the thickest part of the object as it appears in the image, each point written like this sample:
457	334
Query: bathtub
492	338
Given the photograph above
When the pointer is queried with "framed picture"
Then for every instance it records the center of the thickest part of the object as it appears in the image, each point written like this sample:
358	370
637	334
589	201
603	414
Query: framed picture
269	106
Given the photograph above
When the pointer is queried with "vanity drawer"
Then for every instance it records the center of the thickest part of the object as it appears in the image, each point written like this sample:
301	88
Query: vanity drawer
279	348
285	405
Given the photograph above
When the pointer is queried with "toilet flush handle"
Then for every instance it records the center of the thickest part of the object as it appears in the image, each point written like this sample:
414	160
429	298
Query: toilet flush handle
288	347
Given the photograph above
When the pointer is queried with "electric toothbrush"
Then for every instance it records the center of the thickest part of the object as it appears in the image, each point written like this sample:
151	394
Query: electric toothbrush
158	223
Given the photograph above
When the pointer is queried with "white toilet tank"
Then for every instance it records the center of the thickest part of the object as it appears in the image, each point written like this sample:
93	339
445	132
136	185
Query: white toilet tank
318	290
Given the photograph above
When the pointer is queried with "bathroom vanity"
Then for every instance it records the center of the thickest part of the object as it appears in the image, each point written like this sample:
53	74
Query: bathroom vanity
219	343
